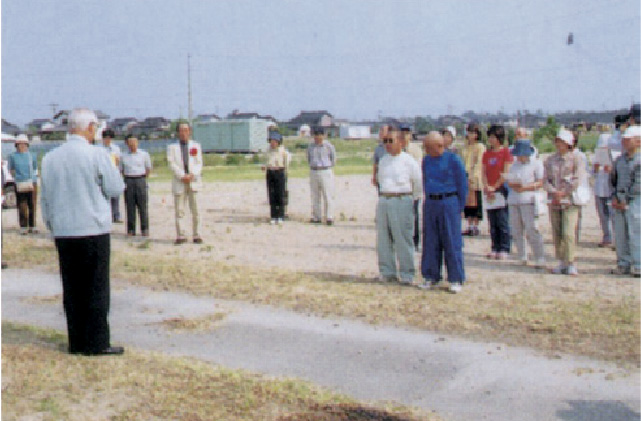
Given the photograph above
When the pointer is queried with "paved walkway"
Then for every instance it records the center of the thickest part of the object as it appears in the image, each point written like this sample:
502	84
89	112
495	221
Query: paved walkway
461	380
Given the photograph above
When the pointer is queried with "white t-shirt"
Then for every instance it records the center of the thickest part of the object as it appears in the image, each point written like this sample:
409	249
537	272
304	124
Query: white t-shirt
526	174
399	174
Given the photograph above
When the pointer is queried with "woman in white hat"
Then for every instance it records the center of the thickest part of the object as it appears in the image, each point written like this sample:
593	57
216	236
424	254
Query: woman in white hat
563	174
24	169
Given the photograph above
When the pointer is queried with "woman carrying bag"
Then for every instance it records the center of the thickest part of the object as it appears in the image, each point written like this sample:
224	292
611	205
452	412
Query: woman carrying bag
24	169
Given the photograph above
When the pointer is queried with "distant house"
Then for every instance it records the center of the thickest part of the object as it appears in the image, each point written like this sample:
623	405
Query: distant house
314	119
236	115
40	124
204	118
150	128
9	128
122	125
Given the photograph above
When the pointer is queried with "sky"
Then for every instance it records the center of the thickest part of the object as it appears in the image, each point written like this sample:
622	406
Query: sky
358	59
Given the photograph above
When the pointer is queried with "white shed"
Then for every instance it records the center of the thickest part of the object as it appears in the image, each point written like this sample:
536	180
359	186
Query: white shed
355	132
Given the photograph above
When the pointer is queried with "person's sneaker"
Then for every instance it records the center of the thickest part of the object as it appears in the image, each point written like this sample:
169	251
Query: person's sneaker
620	270
198	240
279	221
314	221
407	280
272	222
33	231
501	255
539	264
572	271
559	270
330	222
456	287
476	232
23	231
180	240
429	284
491	256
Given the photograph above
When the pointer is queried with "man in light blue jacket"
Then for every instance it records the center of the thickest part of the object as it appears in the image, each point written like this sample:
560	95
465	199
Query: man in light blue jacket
78	181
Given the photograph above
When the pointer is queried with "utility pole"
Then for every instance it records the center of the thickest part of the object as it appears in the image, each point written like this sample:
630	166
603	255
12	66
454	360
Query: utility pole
189	88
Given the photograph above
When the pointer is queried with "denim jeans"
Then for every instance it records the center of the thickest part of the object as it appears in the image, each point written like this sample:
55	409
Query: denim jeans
606	217
499	229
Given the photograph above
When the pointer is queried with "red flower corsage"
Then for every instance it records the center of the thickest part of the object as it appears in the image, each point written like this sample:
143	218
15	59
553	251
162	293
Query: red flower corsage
193	152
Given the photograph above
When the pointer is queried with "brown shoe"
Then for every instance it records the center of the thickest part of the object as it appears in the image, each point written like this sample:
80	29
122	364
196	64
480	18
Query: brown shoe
180	240
198	240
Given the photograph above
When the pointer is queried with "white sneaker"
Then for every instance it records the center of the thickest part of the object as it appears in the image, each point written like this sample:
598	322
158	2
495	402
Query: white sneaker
428	284
407	281
539	264
279	221
559	270
571	270
502	255
456	287
272	222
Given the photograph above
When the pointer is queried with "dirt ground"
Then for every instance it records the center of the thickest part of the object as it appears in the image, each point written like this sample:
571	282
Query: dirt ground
236	230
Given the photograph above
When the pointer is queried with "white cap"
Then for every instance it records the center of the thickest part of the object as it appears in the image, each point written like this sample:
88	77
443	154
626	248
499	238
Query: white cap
566	136
632	131
603	140
452	130
22	138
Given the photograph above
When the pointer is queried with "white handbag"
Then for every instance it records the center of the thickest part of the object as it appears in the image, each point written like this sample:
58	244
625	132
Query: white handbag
581	196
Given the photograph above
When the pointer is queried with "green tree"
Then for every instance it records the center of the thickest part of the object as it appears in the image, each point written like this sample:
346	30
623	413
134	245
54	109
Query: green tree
548	131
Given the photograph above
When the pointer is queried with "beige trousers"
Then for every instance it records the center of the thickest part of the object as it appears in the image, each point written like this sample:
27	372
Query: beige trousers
563	223
321	184
191	197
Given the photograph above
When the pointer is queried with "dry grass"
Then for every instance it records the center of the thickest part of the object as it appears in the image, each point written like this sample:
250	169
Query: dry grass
146	386
577	320
185	324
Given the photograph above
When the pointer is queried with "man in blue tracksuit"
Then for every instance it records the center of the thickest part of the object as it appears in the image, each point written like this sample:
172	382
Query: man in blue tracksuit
445	188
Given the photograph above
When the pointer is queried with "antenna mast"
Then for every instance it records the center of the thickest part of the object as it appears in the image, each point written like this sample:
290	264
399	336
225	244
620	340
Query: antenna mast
189	88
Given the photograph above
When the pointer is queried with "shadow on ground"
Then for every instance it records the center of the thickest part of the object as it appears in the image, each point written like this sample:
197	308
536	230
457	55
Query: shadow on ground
598	411
345	412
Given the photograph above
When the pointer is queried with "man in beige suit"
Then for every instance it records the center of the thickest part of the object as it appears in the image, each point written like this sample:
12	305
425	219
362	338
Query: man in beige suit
186	162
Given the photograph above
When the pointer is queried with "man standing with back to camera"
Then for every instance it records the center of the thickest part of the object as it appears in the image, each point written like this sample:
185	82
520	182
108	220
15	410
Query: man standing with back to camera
78	180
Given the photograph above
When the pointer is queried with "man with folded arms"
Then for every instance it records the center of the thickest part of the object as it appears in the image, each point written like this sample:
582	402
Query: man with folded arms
445	187
399	180
78	180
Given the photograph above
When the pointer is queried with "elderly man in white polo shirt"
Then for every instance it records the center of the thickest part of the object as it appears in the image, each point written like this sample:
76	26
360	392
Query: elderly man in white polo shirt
399	179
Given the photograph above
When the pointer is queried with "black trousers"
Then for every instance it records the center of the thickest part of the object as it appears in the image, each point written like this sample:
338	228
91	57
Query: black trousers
26	208
276	189
84	268
136	199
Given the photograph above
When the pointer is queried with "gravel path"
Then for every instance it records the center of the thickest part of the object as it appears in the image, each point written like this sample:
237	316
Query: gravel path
461	380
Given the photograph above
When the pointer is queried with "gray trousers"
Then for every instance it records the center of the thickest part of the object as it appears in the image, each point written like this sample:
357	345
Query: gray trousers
136	199
627	236
394	236
606	216
525	224
321	185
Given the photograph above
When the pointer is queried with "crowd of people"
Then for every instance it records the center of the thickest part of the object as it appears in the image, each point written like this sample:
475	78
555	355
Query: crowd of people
81	183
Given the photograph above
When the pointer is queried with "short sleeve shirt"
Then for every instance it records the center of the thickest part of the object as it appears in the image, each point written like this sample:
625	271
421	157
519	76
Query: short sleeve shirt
494	162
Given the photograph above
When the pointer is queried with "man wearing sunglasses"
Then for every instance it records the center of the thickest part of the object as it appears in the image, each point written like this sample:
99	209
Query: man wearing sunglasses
399	181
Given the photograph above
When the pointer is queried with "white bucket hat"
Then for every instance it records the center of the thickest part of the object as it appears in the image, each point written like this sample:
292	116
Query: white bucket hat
566	136
22	138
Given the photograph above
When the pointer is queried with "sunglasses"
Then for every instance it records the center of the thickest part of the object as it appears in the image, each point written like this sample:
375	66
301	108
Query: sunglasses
388	140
